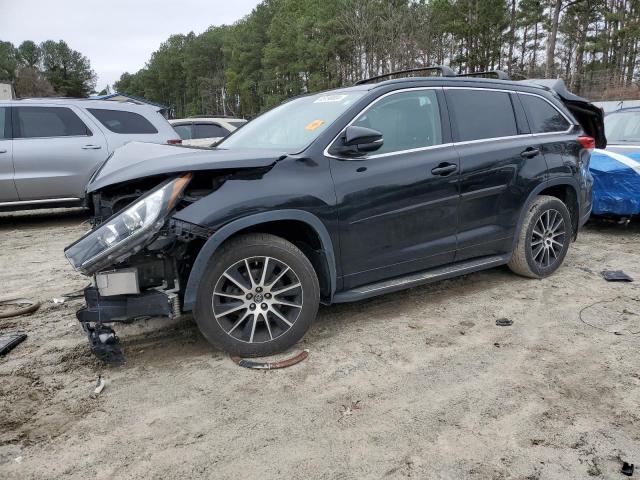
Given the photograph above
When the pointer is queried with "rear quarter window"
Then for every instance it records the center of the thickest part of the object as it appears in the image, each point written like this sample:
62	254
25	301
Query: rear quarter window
481	114
123	122
543	118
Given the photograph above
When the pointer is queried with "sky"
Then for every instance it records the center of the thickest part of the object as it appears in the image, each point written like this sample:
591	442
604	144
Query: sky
117	35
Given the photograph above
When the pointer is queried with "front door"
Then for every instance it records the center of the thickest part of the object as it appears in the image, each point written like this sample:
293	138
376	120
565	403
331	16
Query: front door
8	192
54	152
397	206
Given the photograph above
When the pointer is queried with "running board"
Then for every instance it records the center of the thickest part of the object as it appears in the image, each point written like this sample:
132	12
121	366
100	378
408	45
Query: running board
426	276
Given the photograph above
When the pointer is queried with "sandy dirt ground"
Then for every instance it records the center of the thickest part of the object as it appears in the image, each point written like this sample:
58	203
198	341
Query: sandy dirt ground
418	384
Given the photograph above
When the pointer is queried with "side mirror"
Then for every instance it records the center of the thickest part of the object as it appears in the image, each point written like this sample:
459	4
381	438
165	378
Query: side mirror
357	141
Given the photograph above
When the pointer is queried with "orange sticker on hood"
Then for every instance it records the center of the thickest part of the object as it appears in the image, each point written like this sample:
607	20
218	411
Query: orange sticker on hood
313	125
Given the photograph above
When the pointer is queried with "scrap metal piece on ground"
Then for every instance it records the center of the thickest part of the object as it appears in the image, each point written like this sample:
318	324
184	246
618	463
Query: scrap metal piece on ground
9	341
104	343
504	322
24	306
287	362
100	383
616	276
627	469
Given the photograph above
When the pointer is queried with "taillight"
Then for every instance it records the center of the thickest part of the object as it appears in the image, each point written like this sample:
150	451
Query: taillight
587	142
174	141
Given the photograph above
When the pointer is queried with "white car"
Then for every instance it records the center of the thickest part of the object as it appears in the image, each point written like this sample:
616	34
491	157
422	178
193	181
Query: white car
205	131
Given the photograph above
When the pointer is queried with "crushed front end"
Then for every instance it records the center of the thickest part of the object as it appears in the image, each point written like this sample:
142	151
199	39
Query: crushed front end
137	256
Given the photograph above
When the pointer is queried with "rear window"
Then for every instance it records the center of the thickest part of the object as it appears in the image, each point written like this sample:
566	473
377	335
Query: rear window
209	130
543	118
184	131
43	122
119	121
481	114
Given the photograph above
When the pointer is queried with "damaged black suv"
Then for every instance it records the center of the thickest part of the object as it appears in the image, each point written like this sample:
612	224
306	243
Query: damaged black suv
337	197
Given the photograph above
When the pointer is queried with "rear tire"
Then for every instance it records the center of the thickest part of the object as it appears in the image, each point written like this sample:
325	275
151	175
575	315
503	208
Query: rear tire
258	296
543	240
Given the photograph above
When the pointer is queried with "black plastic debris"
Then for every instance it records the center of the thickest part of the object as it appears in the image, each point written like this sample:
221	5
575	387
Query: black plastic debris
627	469
9	341
504	322
105	344
616	276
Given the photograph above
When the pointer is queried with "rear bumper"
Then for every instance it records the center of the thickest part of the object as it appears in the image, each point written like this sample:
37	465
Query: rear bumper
125	308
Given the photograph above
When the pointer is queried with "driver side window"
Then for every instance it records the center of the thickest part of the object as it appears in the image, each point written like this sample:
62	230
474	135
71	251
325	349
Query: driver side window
407	120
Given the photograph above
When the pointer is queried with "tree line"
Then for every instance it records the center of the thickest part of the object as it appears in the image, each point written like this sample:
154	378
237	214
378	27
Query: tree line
48	69
288	47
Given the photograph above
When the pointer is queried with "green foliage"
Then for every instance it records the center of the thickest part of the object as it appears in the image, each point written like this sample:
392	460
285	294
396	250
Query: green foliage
51	68
291	47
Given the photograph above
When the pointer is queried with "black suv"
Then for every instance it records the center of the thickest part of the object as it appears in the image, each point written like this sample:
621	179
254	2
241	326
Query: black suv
337	197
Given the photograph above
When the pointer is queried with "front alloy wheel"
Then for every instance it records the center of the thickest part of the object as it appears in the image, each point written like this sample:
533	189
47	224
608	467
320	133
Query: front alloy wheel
258	297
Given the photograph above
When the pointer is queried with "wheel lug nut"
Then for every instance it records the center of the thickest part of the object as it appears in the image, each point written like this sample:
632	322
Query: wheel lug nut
249	296
252	306
264	306
259	289
267	295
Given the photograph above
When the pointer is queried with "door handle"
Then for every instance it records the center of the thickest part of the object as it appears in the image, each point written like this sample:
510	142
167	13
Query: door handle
530	152
3	151
444	169
92	147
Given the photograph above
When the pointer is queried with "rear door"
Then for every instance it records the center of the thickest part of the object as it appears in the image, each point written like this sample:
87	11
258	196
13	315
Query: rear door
8	192
499	163
54	152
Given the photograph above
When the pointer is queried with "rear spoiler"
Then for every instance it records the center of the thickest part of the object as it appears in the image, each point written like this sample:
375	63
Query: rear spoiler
591	117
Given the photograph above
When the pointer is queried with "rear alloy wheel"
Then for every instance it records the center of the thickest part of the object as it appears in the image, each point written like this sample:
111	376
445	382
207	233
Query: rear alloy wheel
259	296
544	238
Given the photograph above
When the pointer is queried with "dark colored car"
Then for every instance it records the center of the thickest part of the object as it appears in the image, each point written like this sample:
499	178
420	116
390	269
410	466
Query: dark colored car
337	197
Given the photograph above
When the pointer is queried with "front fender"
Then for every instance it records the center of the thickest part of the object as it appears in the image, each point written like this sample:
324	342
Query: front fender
212	244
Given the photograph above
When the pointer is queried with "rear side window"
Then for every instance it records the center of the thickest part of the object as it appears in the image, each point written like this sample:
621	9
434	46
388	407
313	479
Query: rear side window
209	130
120	121
5	123
481	114
407	120
543	118
184	131
42	122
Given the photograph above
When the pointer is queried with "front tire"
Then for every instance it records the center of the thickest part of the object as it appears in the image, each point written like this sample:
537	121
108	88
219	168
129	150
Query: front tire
543	239
259	296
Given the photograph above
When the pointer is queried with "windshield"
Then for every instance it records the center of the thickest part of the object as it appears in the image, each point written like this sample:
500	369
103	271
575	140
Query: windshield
622	127
293	125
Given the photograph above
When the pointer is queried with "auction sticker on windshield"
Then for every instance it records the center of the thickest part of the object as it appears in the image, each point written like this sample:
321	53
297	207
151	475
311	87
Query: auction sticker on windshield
313	125
330	98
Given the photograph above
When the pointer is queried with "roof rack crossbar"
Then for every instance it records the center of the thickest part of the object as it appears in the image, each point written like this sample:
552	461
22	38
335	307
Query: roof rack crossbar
499	74
444	71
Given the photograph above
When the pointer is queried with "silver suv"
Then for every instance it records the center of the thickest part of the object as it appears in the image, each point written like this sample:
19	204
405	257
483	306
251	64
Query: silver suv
49	148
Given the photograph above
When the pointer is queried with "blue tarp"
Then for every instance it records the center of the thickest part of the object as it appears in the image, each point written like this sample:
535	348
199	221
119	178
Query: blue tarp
616	175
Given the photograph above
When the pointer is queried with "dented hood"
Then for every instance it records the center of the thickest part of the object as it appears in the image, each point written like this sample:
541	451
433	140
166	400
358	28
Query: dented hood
137	160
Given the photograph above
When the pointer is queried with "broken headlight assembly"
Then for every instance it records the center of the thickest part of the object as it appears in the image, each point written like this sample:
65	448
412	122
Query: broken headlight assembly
126	232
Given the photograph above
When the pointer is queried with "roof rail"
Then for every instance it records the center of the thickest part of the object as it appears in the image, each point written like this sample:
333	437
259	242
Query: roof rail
444	71
499	74
210	116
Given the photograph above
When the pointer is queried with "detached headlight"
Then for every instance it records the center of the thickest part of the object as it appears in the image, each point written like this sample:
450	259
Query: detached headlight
126	232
